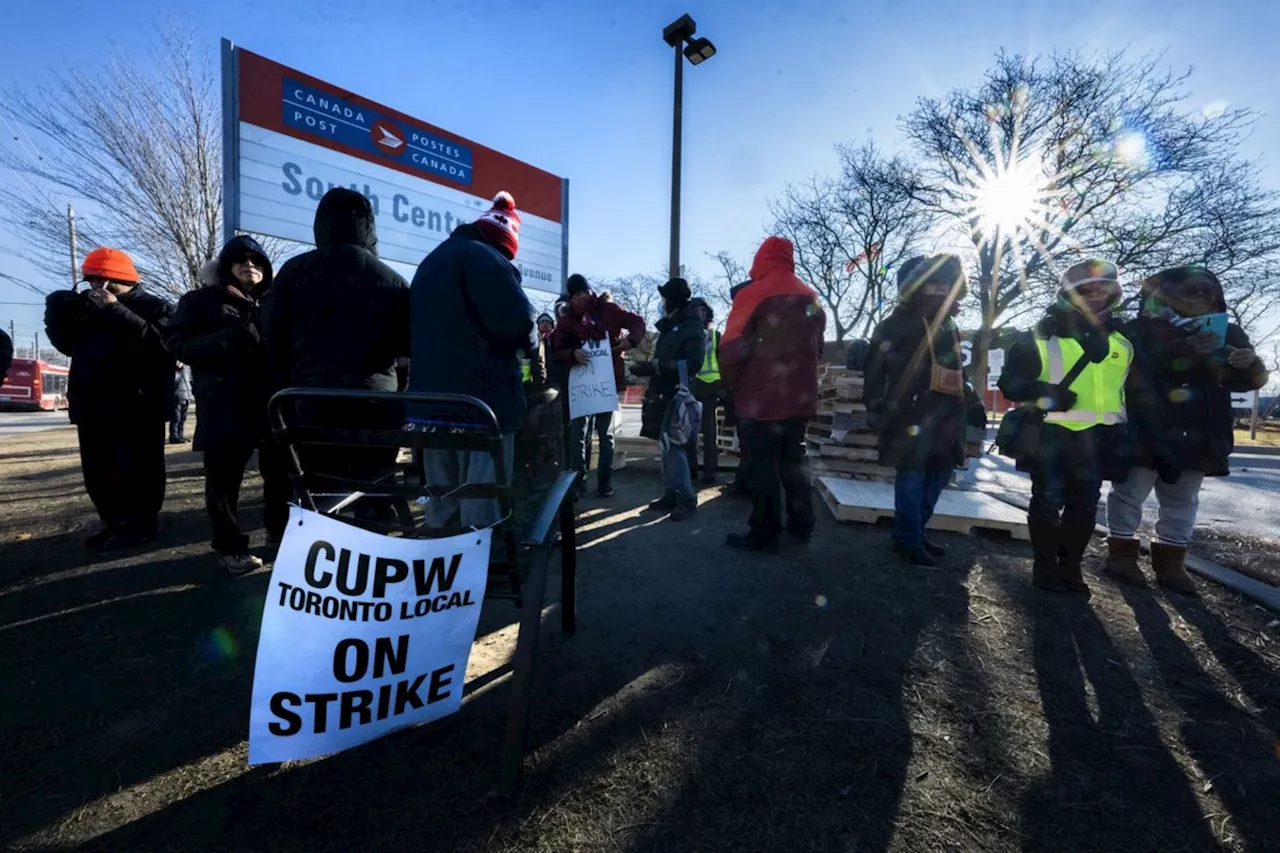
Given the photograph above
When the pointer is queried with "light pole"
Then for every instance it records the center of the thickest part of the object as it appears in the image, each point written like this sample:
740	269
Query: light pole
679	34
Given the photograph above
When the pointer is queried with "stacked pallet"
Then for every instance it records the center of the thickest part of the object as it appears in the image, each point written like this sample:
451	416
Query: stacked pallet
840	441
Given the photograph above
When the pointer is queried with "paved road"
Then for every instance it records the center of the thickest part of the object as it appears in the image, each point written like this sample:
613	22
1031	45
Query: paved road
17	423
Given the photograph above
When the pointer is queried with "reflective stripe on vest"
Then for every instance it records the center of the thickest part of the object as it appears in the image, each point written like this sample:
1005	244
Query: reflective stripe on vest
710	371
1099	388
526	371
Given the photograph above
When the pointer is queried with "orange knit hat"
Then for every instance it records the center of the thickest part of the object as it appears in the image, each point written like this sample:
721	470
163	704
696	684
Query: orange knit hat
111	264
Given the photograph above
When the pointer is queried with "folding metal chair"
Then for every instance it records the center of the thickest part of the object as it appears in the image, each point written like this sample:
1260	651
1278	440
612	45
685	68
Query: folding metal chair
343	450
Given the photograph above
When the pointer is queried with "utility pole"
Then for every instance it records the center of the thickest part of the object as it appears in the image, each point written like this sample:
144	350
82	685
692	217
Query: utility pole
71	237
35	349
1253	421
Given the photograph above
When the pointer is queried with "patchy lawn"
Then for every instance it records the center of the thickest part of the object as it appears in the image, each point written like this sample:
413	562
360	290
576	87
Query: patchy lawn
829	699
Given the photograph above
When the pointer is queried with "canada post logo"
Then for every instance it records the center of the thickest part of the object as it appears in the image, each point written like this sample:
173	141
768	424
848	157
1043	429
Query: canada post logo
332	118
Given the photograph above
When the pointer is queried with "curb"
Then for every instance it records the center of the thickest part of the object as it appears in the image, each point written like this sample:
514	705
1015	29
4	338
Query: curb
1264	594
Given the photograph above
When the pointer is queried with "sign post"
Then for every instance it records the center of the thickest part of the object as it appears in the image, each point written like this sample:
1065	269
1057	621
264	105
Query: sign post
288	138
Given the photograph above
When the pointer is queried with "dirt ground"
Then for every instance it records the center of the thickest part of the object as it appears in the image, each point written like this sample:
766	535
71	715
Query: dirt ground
828	699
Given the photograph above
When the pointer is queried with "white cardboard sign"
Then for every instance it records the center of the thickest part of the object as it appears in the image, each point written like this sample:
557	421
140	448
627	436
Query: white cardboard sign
593	390
362	634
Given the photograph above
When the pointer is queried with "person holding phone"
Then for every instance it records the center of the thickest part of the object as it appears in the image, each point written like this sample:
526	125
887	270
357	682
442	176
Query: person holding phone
1087	424
118	393
1196	361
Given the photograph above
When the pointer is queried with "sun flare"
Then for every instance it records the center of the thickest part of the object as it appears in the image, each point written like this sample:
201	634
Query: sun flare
1010	199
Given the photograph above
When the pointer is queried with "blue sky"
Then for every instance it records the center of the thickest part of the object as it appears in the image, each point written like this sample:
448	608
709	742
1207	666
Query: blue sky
583	89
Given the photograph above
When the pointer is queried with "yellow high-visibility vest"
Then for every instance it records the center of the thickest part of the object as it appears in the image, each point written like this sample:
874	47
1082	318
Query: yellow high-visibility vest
526	370
710	371
1099	388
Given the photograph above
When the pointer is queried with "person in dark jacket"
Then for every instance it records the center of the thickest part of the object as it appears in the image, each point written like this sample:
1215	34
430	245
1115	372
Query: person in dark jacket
6	355
118	393
917	398
471	321
769	362
709	389
1091	427
1194	374
592	318
179	402
337	317
681	340
216	329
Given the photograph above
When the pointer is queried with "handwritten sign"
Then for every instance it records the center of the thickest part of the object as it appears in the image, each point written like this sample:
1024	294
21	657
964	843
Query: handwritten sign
362	634
593	390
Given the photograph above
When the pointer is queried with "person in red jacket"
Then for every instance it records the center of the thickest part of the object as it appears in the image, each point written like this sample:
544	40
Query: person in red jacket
591	318
769	362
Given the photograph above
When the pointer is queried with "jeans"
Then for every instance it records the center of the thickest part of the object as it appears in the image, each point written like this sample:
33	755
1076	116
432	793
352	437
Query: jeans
580	442
915	494
677	481
458	467
1063	511
710	450
178	420
223	475
1176	521
777	471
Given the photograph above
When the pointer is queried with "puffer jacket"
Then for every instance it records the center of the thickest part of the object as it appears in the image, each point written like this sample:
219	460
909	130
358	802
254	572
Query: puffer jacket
216	330
337	317
681	338
772	341
918	428
1193	393
471	323
121	371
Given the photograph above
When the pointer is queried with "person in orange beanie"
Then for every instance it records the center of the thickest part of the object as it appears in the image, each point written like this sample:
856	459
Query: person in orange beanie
118	393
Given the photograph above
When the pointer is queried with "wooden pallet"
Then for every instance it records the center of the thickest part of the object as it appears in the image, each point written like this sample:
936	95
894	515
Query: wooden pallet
825	447
841	407
956	512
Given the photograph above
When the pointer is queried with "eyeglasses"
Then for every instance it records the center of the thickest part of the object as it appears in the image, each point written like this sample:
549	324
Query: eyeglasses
249	261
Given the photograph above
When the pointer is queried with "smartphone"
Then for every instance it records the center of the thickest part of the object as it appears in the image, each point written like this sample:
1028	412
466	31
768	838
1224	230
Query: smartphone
1217	324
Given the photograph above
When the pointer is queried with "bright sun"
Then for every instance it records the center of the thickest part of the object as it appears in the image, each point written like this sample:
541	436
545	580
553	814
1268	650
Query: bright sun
1009	199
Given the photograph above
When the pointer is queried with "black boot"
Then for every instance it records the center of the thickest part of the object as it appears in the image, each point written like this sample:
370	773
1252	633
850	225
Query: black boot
1073	540
1044	546
604	482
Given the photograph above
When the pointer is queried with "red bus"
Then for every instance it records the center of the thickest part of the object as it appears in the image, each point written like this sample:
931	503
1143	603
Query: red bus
34	385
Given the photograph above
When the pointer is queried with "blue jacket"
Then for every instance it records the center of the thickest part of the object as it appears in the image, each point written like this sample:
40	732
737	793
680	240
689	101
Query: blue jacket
470	321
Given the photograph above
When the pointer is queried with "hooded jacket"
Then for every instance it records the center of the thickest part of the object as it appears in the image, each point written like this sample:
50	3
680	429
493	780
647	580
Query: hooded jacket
216	331
471	321
772	341
681	338
596	321
6	354
121	371
337	317
1193	391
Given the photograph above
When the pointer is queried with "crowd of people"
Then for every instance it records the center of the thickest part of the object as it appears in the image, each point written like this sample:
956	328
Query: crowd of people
1144	404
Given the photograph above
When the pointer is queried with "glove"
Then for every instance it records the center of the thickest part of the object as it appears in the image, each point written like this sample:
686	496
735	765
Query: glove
1062	399
643	368
1167	468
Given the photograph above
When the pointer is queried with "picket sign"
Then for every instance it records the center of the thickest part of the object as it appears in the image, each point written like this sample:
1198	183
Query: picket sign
593	390
362	634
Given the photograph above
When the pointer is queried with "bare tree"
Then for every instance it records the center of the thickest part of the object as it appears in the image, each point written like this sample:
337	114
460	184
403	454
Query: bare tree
138	151
1050	160
850	233
729	273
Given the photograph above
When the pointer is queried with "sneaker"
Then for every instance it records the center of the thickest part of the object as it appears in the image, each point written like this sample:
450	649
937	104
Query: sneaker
682	512
916	556
605	490
750	542
934	549
239	564
663	504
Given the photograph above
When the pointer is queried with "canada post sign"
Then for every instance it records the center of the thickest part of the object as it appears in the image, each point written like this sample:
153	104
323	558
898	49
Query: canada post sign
288	138
327	117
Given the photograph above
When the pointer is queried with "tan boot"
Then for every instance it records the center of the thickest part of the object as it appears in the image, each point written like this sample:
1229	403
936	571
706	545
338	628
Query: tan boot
1122	561
1167	562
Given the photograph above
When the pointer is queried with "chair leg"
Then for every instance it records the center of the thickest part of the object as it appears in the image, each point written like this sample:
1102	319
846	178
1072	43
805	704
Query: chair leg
524	668
568	568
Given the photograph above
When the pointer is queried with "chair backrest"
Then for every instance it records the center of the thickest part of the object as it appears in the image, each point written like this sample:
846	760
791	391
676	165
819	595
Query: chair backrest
342	448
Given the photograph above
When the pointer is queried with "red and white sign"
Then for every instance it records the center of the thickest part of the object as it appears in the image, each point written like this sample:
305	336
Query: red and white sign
290	137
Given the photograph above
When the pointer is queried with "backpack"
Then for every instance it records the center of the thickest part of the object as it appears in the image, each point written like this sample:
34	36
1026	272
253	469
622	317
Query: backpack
684	415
